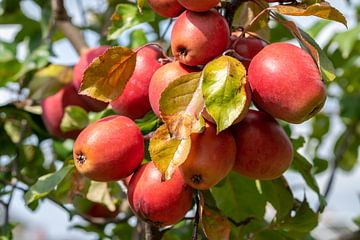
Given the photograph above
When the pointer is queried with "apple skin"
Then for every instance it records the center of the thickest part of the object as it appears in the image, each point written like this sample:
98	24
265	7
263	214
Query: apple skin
162	78
134	101
53	108
209	118
160	203
85	59
109	149
263	150
286	83
248	48
199	6
197	38
211	158
166	8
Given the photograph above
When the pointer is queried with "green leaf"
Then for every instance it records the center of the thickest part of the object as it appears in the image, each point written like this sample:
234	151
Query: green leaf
357	221
320	125
123	231
100	192
137	38
320	165
278	193
239	198
181	104
46	184
126	16
9	71
346	41
301	165
75	118
148	123
224	90
49	80
350	154
317	27
7	51
167	152
326	66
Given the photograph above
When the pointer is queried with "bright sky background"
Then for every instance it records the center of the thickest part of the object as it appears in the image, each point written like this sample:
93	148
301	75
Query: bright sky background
53	222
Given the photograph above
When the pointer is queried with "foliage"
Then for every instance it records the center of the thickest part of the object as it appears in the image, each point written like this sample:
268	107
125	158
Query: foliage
235	207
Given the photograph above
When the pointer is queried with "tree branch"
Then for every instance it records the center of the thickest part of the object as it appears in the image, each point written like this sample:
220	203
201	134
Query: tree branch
197	217
63	22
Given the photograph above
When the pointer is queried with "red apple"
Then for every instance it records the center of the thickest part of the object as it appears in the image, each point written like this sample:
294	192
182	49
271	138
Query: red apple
248	48
166	8
199	6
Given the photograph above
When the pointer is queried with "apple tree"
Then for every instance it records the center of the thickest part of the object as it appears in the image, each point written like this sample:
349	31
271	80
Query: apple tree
180	123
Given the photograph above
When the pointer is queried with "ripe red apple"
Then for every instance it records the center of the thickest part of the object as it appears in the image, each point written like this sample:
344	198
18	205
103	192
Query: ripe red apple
263	150
207	116
197	38
161	203
166	8
109	149
93	209
85	59
161	79
134	101
286	83
248	48
199	6
53	110
211	158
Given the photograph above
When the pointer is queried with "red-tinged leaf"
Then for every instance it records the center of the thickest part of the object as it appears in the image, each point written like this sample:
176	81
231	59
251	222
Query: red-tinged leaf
181	105
107	75
167	152
215	225
322	10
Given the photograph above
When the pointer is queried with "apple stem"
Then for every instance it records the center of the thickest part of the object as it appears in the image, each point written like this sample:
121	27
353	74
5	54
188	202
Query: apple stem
234	53
165	59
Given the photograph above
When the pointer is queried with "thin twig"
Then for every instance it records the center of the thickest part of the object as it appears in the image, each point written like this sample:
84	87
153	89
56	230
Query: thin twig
166	29
197	217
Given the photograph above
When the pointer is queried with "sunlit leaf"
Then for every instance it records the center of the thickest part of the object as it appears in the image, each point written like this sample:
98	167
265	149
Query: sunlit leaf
137	38
347	41
148	123
99	192
167	152
181	104
224	90
322	10
75	118
107	75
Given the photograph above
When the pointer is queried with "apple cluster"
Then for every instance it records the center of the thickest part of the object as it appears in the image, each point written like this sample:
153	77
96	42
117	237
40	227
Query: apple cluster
283	82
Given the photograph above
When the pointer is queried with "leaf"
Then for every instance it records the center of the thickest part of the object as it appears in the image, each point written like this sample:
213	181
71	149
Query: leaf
148	123
181	104
279	194
127	16
320	125
349	153
7	51
49	80
347	41
140	4
46	184
107	75
304	221
238	198
75	118
322	10
167	152
223	86
137	38
215	225
320	165
327	68
301	165
99	192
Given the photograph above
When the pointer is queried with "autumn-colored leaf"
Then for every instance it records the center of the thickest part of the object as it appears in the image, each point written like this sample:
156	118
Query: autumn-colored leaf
140	4
223	86
107	75
181	104
167	152
322	10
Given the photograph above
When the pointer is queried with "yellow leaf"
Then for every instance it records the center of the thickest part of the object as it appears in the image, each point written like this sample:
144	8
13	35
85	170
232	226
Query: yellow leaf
322	10
167	152
181	104
107	75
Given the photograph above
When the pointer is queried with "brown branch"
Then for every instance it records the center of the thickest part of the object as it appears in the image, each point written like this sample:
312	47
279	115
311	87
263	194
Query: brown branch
197	217
63	22
152	232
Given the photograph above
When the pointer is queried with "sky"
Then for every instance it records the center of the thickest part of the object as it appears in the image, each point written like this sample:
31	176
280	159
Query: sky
343	204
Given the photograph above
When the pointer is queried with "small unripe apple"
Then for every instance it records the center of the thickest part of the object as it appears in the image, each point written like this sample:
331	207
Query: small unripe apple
109	149
162	78
263	150
53	108
199	6
166	8
85	59
286	83
161	203
93	209
134	101
248	48
211	158
199	37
